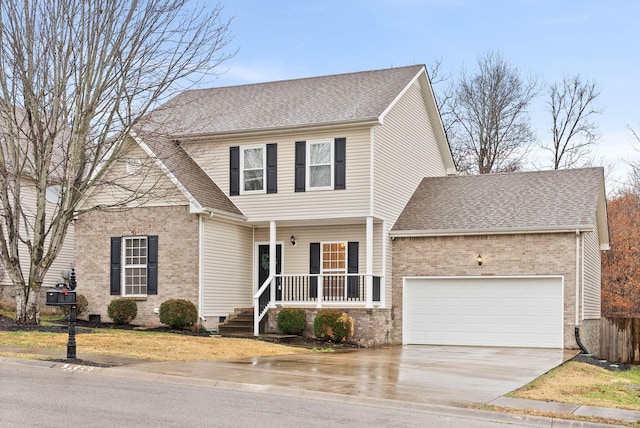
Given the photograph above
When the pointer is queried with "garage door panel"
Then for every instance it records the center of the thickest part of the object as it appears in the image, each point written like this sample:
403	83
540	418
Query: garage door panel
484	311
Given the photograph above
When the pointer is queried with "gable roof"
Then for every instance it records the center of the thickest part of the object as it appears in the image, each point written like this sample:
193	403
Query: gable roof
201	191
517	202
316	101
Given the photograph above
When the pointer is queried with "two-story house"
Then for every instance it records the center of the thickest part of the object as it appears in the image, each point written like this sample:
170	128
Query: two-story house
271	195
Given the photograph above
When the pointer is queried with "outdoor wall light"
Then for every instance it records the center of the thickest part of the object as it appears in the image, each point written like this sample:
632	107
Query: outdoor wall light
479	259
293	241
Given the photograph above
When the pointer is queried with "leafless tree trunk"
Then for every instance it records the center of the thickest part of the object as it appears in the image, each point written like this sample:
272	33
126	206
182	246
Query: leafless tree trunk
75	76
490	129
572	105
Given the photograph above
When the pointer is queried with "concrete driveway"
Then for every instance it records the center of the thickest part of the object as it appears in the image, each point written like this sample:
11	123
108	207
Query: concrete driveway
448	375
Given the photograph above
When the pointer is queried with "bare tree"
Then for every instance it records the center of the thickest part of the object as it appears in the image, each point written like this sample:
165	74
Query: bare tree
443	89
75	77
572	106
490	130
632	183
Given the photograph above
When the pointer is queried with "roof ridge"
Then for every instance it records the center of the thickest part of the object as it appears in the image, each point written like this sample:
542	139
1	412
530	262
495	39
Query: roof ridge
296	79
529	172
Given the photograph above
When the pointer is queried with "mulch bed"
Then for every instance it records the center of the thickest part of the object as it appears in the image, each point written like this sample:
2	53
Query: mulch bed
82	326
605	364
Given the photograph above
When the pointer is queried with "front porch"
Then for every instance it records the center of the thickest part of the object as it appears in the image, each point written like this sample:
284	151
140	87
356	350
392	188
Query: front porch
344	266
316	291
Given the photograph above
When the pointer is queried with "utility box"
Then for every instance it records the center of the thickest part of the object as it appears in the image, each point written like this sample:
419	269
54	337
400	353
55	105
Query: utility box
61	298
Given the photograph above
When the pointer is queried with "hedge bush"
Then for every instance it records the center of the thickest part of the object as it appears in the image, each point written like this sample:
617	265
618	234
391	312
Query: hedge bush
178	313
292	320
122	311
332	324
81	305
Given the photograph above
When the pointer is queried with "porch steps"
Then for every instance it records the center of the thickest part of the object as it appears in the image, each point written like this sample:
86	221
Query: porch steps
266	337
237	324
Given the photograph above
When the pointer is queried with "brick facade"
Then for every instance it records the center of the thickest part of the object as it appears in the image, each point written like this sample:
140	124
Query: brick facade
503	255
178	256
372	327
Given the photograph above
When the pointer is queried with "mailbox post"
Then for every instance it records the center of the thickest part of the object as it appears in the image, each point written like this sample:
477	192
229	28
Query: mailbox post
64	295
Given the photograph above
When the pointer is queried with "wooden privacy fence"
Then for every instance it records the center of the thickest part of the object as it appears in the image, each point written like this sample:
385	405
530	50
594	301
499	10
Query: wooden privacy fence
620	340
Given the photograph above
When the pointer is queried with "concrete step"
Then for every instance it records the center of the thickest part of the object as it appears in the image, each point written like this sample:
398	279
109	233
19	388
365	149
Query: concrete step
273	338
238	324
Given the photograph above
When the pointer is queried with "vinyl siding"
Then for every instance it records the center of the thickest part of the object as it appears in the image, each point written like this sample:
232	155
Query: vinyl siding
150	183
63	261
383	231
405	151
28	202
592	275
227	275
286	204
64	258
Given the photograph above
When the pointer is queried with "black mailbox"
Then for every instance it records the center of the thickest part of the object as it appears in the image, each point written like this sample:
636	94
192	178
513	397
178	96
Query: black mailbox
61	297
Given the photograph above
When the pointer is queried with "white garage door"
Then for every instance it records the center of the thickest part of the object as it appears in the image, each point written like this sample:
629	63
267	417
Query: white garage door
524	312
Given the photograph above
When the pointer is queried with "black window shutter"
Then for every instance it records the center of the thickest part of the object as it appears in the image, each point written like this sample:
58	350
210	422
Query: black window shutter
152	264
340	154
301	168
234	170
314	268
352	267
115	266
272	168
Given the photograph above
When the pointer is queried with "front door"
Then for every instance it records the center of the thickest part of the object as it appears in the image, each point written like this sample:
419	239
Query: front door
263	267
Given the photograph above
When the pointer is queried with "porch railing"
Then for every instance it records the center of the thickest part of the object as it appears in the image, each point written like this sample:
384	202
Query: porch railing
312	290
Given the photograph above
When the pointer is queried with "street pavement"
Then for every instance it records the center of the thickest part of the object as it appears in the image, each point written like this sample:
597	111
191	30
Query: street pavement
455	376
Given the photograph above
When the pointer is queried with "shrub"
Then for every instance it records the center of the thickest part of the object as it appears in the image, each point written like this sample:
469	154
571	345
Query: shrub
81	305
331	324
122	311
292	320
178	313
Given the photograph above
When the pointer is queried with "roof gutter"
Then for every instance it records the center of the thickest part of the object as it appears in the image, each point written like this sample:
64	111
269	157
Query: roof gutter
220	213
494	231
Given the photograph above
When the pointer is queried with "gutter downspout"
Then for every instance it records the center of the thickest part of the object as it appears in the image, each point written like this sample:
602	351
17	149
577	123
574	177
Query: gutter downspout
201	268
577	305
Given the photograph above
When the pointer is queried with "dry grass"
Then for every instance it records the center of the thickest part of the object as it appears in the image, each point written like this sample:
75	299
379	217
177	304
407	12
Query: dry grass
150	345
554	415
586	384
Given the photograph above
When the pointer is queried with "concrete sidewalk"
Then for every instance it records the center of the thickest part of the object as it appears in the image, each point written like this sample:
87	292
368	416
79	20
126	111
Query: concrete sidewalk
571	409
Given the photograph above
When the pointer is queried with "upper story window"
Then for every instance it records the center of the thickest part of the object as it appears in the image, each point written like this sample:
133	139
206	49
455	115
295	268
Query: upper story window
253	169
253	164
320	164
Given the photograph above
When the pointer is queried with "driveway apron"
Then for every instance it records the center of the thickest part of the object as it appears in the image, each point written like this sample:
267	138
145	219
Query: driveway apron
449	375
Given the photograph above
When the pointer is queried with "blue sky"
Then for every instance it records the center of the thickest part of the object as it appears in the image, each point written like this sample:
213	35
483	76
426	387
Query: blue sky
285	39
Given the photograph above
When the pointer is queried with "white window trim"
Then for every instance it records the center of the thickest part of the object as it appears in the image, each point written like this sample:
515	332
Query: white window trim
308	164
346	258
263	147
125	266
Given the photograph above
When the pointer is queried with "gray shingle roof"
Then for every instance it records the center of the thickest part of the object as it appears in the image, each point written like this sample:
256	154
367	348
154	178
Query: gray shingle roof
541	200
203	189
343	98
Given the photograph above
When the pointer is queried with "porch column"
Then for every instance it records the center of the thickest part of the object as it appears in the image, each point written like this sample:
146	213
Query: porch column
369	263
272	259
